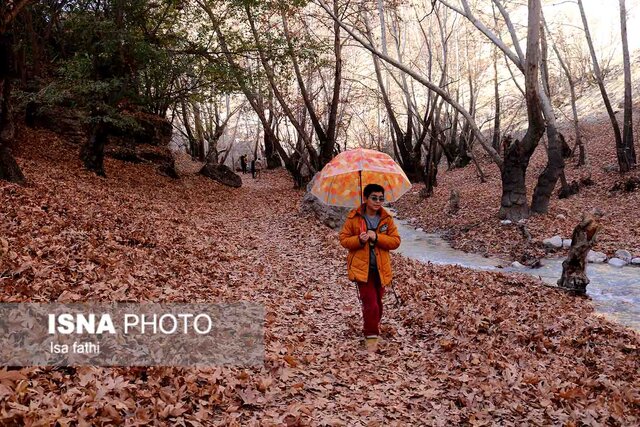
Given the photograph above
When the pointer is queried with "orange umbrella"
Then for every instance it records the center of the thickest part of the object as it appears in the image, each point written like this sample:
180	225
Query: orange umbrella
342	180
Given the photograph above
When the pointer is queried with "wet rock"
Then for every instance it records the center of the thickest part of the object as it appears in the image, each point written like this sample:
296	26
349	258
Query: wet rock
553	242
516	264
624	255
419	229
596	257
566	243
636	261
616	262
506	222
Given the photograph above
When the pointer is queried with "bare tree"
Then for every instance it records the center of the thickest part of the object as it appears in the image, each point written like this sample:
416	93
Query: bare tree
555	163
582	157
517	154
625	160
627	127
326	134
419	78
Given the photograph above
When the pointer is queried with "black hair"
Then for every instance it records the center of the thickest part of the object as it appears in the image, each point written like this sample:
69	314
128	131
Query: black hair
373	188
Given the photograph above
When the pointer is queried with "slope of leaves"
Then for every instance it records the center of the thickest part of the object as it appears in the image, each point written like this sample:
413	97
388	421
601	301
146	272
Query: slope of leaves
465	347
476	227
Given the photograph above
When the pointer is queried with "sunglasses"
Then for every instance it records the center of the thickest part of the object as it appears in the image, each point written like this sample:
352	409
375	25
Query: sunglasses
376	199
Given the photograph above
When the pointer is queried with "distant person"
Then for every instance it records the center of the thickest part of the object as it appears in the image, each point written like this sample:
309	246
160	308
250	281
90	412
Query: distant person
370	233
243	163
253	168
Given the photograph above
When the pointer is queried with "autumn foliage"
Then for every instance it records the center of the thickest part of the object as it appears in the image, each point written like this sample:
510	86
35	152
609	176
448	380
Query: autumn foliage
469	348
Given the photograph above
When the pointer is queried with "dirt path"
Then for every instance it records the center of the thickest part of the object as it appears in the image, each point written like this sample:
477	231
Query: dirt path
465	348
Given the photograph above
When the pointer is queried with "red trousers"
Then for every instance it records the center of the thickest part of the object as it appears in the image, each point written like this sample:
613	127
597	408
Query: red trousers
371	294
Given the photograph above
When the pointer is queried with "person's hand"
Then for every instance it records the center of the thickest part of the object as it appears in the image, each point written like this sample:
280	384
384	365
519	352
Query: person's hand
371	234
364	237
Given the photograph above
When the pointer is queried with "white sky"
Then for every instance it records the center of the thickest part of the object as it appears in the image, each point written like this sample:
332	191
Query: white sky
603	17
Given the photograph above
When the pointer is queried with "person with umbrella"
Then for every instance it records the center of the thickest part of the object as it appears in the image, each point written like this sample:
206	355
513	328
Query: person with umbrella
369	232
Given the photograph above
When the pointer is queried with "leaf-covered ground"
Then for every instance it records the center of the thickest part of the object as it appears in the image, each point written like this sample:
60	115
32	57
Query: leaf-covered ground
476	227
465	348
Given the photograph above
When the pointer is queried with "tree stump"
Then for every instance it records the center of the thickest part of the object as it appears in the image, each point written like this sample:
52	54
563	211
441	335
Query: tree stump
574	276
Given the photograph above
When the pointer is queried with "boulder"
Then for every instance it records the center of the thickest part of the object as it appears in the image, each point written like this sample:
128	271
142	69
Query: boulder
160	156
561	217
553	242
635	261
331	216
153	129
616	262
566	243
596	257
221	173
63	120
506	222
624	255
516	264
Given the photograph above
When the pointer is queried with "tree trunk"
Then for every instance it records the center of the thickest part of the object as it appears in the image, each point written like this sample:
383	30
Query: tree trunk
627	128
496	121
555	153
92	153
549	176
574	276
514	205
623	161
273	160
9	169
582	158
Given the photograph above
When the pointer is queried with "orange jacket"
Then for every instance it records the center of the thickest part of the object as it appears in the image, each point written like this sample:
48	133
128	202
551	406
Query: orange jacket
358	257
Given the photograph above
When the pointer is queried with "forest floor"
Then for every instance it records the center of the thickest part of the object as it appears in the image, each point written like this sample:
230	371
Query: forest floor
464	348
477	228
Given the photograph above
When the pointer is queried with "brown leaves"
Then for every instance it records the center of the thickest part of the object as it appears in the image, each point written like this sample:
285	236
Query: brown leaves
469	348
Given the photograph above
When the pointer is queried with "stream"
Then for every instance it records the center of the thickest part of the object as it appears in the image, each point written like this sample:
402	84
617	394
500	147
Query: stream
615	291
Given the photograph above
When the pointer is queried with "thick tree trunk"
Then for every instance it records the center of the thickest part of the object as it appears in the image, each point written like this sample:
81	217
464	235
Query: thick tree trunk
273	160
555	158
514	205
574	276
552	171
92	153
9	169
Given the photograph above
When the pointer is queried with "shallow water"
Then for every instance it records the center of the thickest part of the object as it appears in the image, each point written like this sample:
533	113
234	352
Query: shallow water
615	291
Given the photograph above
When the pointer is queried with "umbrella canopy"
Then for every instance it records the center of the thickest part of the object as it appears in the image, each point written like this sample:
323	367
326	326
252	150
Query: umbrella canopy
342	180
